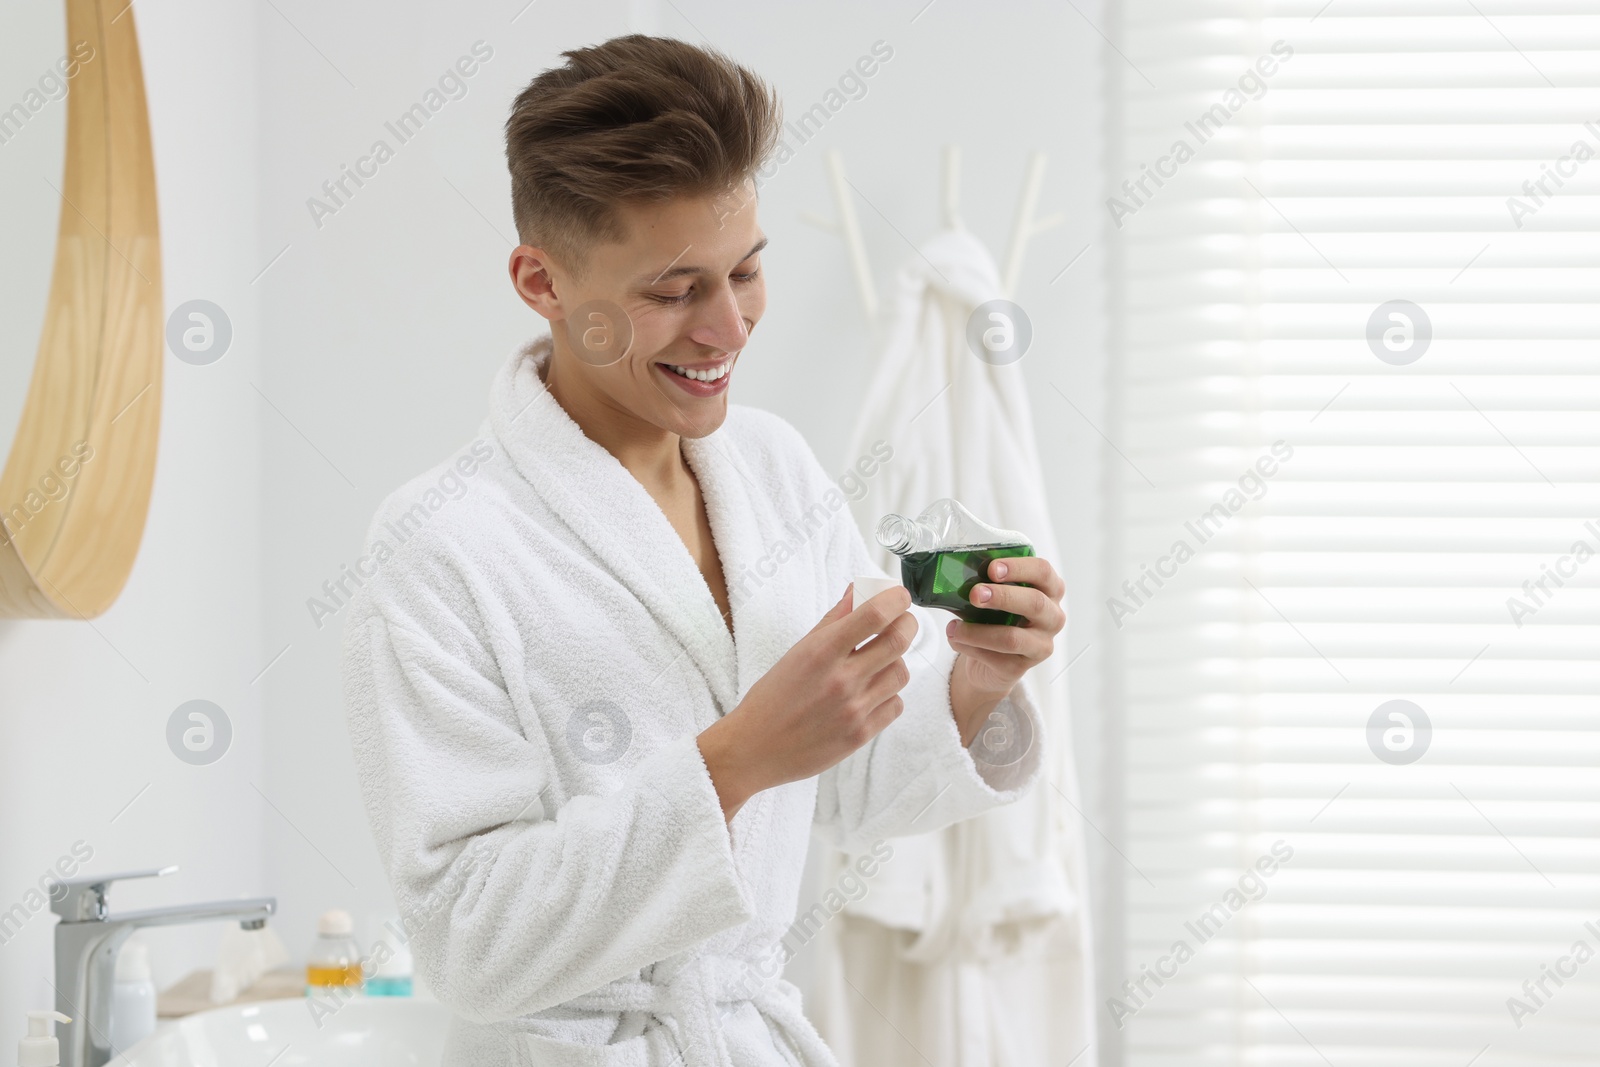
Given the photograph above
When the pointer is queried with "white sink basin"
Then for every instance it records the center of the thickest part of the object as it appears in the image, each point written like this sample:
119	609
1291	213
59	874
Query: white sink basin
366	1032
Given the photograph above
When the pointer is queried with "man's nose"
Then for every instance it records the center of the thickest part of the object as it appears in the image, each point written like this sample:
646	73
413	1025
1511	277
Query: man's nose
724	325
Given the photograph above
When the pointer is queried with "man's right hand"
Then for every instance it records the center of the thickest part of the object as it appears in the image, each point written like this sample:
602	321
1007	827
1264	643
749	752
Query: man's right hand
823	700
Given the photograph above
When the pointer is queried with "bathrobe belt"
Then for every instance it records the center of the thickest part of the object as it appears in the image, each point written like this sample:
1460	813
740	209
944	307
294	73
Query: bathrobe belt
686	1001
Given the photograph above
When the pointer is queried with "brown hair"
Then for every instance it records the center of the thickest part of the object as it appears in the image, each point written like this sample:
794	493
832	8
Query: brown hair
634	120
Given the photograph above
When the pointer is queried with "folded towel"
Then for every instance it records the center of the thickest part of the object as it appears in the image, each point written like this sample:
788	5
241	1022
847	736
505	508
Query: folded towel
242	957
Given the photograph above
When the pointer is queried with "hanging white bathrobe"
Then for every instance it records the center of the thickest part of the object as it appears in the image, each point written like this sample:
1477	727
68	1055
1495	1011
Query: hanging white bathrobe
973	948
526	670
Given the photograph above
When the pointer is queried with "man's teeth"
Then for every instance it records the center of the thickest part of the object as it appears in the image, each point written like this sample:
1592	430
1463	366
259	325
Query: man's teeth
702	375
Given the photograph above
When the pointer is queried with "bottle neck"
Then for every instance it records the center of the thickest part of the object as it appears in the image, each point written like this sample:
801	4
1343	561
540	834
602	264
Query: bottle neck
903	536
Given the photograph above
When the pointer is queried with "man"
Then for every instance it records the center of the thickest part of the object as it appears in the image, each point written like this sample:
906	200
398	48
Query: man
600	699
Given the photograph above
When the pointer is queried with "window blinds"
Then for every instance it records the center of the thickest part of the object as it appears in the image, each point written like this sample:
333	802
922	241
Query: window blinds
1353	599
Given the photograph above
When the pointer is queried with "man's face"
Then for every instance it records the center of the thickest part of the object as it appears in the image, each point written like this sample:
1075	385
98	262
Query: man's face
688	285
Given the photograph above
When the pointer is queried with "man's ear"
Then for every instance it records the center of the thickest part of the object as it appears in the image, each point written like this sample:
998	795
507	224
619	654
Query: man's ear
533	280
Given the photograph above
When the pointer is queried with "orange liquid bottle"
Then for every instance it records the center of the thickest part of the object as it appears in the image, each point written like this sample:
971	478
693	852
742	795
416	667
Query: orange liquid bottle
335	960
348	974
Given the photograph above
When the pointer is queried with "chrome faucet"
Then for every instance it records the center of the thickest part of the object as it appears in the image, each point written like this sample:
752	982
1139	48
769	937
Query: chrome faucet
88	938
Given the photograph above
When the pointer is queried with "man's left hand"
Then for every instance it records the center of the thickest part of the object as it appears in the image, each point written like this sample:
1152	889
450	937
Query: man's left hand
993	658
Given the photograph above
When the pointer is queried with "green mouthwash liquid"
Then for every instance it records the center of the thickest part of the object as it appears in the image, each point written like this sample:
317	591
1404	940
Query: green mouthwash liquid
944	579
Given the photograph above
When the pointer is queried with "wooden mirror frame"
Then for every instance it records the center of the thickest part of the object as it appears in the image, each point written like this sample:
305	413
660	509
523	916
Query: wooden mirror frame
90	424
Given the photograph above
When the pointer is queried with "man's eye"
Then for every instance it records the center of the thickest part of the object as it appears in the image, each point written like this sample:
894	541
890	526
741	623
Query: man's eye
683	298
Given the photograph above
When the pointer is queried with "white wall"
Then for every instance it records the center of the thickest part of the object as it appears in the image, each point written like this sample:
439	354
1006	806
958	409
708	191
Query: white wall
84	706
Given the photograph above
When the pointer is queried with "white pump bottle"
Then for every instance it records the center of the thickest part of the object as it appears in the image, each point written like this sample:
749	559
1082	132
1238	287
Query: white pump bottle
40	1048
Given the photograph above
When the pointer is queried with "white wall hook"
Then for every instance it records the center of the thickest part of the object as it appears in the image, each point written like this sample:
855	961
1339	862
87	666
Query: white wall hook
951	188
850	229
1023	228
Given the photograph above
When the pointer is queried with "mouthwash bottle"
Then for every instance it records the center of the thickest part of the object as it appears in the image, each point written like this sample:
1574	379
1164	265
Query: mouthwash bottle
946	551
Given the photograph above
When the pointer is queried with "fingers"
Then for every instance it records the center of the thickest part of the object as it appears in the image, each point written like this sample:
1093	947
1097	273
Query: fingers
1003	663
1033	570
1010	640
1035	605
887	681
838	611
889	646
870	618
884	714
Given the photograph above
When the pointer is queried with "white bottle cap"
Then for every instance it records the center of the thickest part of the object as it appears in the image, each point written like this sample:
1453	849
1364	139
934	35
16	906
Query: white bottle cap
335	922
133	962
40	1048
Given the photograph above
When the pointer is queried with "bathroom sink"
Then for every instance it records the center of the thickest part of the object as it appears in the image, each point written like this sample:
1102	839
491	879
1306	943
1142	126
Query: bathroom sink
366	1032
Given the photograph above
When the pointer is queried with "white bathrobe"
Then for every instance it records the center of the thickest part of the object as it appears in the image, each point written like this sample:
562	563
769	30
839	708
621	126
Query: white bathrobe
526	675
976	940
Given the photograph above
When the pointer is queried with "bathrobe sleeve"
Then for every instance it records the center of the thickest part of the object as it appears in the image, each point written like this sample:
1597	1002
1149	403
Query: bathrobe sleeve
512	909
915	776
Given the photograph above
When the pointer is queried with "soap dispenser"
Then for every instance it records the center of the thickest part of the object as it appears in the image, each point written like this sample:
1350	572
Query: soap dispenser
40	1048
945	551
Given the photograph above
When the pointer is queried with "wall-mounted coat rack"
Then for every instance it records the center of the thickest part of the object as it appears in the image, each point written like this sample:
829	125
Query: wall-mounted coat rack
1023	227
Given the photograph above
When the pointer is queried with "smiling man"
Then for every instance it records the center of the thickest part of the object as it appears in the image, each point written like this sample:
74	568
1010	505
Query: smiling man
591	773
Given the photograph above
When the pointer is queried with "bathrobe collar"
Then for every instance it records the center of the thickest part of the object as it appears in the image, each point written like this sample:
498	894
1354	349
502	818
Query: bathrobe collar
611	512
